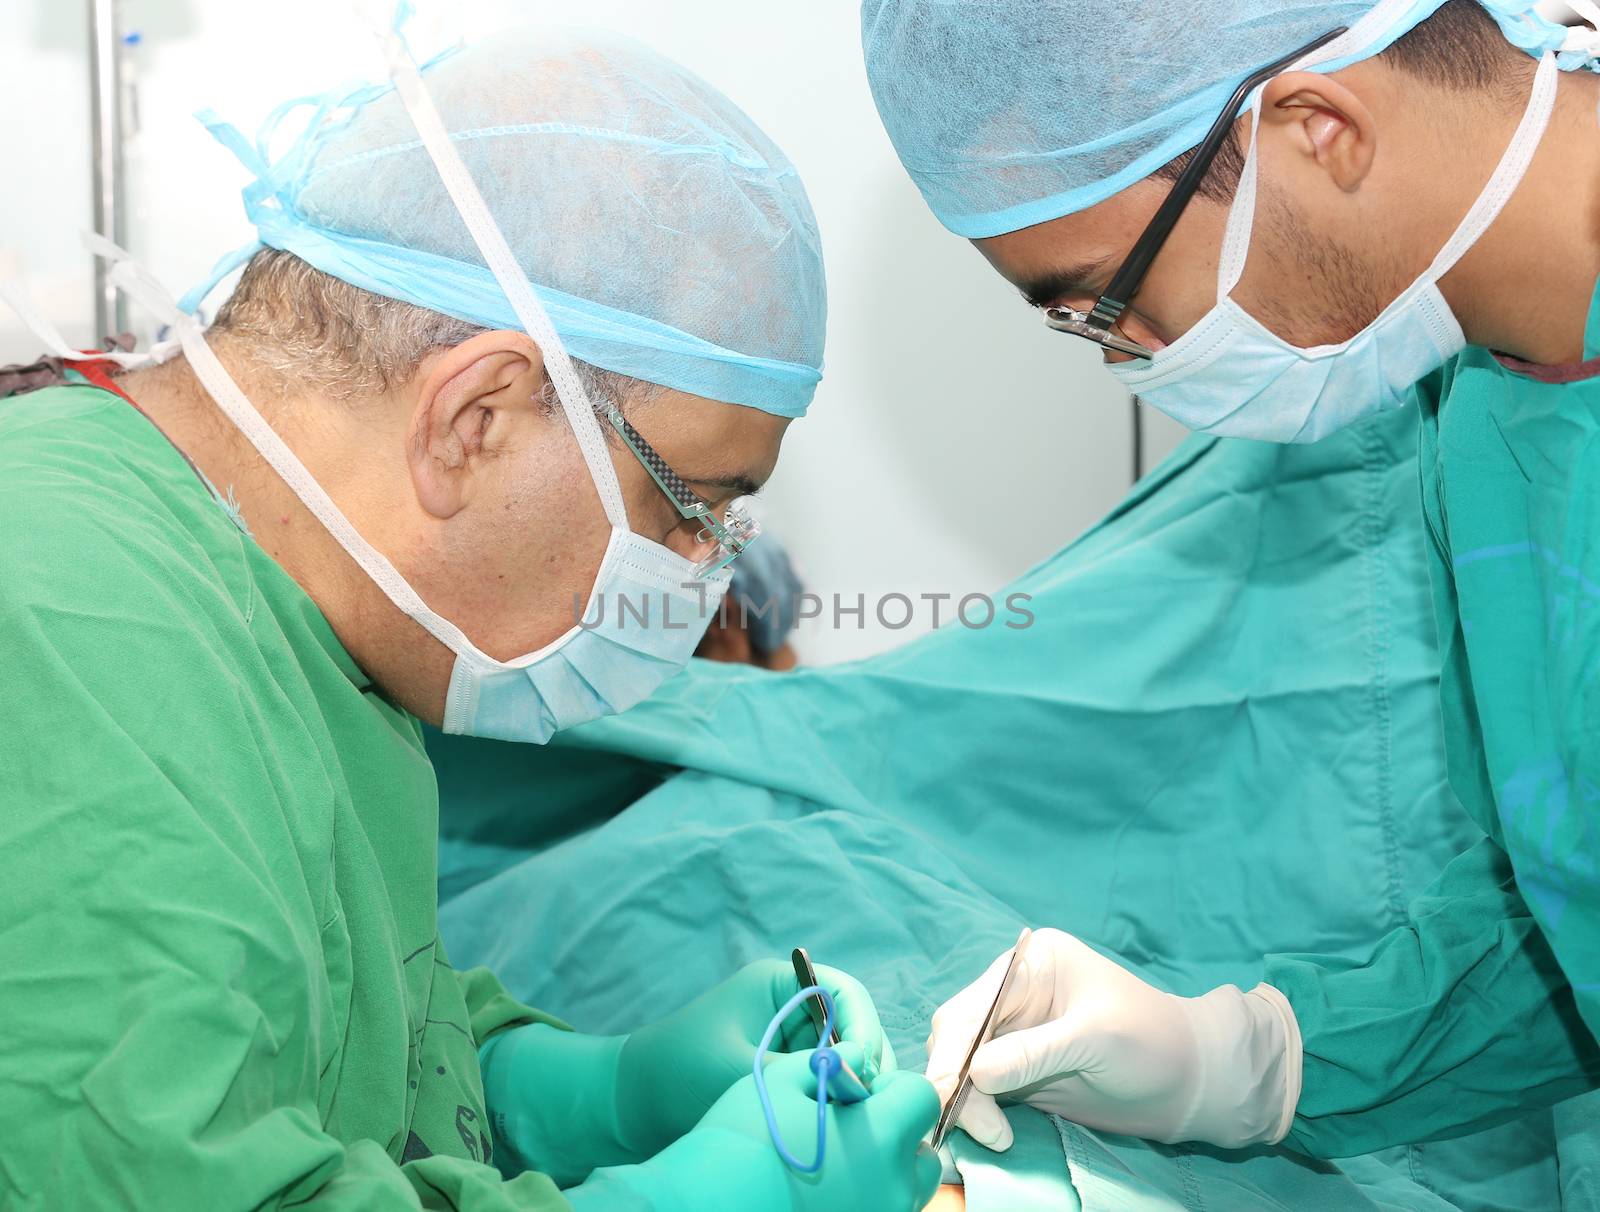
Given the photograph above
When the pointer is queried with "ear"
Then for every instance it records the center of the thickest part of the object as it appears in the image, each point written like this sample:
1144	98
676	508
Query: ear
1325	122
468	401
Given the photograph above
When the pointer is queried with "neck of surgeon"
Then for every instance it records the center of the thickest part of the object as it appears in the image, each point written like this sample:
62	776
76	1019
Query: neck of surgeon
1525	288
326	437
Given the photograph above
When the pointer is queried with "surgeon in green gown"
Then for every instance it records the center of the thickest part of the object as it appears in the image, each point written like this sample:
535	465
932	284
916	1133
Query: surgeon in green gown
1312	213
232	584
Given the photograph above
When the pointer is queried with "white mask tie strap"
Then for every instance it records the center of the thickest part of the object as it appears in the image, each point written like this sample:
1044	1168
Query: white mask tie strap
35	321
1502	183
1241	215
129	276
1508	173
509	273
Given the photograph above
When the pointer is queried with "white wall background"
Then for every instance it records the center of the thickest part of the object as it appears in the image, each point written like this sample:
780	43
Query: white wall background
954	441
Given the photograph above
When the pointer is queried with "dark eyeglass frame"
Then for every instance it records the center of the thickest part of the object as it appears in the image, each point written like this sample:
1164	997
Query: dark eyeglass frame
732	533
1095	325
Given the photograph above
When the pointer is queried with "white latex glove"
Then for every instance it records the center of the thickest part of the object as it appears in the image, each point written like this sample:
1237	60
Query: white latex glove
1085	1039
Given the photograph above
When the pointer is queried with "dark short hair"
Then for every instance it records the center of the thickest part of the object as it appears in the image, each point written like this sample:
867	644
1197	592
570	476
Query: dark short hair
1460	47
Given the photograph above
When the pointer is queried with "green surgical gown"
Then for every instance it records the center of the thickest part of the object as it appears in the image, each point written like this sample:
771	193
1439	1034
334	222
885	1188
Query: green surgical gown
224	986
1488	1000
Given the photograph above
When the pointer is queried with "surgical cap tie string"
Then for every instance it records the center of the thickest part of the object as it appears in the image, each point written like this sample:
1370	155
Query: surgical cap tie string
269	198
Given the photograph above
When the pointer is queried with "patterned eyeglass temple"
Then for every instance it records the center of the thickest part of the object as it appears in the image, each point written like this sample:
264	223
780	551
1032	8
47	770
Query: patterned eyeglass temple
690	503
731	534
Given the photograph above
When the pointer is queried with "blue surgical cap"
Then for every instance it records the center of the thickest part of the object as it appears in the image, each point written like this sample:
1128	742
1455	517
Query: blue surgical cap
668	238
1008	113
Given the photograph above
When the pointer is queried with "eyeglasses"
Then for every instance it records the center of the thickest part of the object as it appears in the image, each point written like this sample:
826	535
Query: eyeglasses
1095	325
728	535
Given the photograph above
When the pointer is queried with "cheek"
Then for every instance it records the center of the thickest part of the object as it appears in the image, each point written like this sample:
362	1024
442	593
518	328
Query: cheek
554	562
1178	301
541	595
1181	286
1169	305
649	511
522	574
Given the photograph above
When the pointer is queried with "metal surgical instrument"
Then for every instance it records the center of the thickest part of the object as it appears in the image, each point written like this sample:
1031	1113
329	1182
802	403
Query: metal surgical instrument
958	1097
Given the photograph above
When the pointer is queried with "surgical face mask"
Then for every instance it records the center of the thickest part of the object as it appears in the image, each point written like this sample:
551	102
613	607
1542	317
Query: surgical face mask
643	622
648	608
1230	376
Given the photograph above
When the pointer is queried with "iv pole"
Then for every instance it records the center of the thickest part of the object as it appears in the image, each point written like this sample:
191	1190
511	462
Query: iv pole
106	136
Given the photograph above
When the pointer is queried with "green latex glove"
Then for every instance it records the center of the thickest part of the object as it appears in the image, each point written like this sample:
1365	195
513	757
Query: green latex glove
876	1160
564	1103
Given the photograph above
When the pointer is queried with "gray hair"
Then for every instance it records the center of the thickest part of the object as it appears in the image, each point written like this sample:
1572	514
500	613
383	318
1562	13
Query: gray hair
312	330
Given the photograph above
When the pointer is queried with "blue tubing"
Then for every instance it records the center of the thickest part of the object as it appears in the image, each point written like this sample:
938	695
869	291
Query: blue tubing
825	1062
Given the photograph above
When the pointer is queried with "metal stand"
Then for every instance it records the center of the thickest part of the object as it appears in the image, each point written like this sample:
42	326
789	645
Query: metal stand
105	96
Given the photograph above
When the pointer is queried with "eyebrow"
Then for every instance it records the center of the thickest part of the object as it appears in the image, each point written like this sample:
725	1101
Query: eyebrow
739	486
1080	279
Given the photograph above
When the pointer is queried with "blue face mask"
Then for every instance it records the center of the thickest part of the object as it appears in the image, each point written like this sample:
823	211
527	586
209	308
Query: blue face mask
643	622
1231	376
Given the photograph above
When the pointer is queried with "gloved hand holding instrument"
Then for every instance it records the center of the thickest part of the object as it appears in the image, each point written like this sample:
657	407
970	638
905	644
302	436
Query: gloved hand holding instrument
565	1103
1081	1037
692	1112
876	1158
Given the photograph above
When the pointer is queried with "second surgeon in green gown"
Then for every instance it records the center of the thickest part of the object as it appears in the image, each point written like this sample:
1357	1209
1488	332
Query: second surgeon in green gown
1311	211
